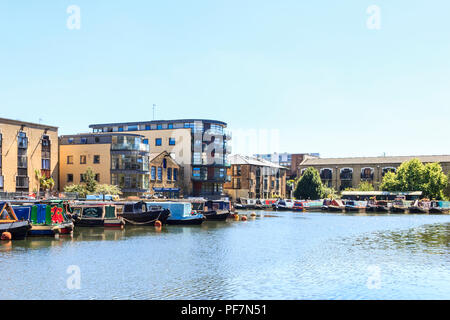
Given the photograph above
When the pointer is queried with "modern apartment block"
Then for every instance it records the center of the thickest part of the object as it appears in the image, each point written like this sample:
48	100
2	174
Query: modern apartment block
255	178
121	159
342	173
199	146
24	148
287	160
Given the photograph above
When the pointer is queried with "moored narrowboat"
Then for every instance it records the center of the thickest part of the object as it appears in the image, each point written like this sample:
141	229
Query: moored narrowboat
181	213
400	205
420	206
96	215
355	206
439	207
142	213
10	223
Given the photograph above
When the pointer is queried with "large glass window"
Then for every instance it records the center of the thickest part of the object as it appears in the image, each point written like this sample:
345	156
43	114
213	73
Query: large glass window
129	162
171	141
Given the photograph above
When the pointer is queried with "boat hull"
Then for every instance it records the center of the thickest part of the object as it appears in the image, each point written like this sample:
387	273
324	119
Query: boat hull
216	216
399	210
145	218
418	210
18	229
439	210
185	222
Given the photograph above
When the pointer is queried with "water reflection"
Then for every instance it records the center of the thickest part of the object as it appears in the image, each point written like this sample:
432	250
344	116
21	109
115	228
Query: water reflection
434	238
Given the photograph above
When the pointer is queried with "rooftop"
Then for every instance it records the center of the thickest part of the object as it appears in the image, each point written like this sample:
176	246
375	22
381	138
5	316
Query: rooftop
101	125
240	159
373	160
28	124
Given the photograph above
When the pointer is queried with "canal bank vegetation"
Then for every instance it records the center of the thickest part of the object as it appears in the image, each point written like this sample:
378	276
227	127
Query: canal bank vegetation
310	186
413	175
91	186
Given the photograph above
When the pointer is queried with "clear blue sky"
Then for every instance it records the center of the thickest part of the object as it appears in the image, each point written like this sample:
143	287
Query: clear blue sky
311	69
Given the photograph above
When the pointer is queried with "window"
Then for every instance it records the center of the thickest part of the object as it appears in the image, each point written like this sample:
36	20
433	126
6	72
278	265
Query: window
346	174
69	177
97	139
45	164
82	159
120	129
96	159
133	128
169	174
171	141
170	126
97	177
84	140
71	140
21	182
367	173
164	163
326	174
159	127
147	127
22	140
69	159
145	141
45	141
175	174
159	173
153	173
158	142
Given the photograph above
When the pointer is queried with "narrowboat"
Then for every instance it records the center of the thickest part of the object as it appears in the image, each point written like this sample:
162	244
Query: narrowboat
46	219
379	206
336	206
10	223
355	206
181	213
283	205
400	205
439	207
245	204
96	215
142	213
217	210
420	206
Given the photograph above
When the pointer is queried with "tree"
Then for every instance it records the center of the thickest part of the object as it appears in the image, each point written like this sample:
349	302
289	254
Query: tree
413	175
89	180
309	186
435	181
363	186
108	189
76	188
44	182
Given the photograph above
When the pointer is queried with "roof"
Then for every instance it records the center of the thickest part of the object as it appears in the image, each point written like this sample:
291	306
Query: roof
101	125
28	124
372	160
240	159
380	193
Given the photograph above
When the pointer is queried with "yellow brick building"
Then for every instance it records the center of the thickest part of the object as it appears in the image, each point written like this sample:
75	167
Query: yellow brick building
121	159
24	148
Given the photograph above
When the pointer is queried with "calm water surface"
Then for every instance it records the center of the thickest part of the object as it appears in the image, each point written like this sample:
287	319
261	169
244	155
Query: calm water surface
273	256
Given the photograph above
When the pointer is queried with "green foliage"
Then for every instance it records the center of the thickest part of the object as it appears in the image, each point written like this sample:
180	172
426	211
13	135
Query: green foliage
309	186
76	188
363	186
413	175
89	180
44	182
329	193
108	189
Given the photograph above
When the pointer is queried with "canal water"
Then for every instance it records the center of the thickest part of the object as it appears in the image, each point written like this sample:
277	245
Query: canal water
276	255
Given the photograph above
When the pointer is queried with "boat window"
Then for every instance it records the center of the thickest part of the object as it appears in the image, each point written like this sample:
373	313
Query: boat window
93	212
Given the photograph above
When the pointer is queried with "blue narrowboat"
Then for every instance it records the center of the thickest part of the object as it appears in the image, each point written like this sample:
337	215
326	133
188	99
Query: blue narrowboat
180	213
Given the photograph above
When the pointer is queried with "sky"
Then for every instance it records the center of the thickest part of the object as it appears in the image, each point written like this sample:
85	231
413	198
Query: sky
297	76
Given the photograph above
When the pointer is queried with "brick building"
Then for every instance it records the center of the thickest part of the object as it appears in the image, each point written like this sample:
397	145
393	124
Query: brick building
255	178
166	178
342	173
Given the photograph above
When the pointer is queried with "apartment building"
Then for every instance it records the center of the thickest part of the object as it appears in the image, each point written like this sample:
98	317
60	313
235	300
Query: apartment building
199	146
287	160
255	178
24	148
121	159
